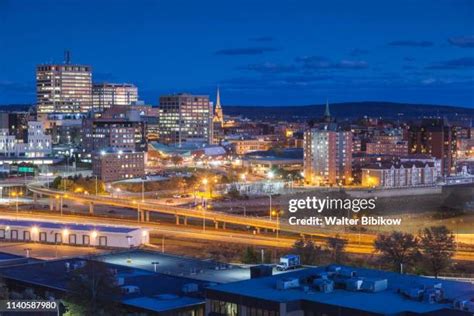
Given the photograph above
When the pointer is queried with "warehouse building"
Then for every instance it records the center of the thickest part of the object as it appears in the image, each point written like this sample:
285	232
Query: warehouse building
73	234
341	290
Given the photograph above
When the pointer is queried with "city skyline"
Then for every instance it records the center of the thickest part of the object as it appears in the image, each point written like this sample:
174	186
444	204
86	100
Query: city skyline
396	51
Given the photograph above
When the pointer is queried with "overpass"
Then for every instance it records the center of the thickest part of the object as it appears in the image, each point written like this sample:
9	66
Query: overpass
144	208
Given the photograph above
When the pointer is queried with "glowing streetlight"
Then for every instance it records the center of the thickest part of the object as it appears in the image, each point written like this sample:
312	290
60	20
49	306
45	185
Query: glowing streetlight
16	195
277	214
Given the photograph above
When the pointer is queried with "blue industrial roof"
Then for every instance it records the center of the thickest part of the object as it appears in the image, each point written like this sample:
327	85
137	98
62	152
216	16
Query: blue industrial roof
8	256
204	270
56	225
162	304
384	302
157	291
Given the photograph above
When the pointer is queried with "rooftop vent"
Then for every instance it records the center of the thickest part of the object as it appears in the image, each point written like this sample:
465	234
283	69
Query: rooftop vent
130	289
374	285
324	285
287	283
464	305
354	284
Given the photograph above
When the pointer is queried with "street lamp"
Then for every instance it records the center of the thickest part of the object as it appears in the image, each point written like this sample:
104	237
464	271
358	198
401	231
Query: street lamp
60	198
270	206
277	214
204	217
16	195
138	209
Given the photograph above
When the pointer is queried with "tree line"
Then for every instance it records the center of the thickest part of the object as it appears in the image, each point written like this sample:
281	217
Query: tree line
428	252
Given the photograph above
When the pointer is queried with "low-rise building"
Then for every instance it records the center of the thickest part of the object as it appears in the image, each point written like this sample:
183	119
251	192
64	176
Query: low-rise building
115	164
141	292
72	234
244	146
400	174
340	290
36	145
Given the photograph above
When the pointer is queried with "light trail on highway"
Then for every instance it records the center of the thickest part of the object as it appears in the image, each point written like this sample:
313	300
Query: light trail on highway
355	246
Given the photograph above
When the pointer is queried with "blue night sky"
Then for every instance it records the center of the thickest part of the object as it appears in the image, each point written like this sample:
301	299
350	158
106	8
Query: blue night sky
258	52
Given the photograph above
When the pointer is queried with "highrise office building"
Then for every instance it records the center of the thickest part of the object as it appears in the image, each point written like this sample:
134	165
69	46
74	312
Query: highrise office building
185	118
105	95
63	88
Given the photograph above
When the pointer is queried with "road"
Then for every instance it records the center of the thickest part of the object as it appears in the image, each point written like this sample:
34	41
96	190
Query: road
152	206
359	244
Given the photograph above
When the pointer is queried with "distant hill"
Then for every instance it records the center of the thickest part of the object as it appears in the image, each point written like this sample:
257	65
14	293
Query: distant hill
341	111
351	110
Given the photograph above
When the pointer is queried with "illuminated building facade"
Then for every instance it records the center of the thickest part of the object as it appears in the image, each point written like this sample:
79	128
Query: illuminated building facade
63	88
434	137
115	164
327	156
36	145
185	118
105	95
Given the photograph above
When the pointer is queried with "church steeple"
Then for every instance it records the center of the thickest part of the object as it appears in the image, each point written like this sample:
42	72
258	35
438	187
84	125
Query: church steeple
327	113
218	99
218	114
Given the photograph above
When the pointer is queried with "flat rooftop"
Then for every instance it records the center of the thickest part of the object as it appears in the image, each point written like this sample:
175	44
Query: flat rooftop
388	301
204	270
157	291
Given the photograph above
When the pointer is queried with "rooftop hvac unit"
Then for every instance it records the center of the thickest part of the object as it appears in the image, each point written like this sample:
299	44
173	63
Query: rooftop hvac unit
324	285
333	268
130	289
287	283
433	295
347	273
190	288
374	285
414	293
354	284
464	305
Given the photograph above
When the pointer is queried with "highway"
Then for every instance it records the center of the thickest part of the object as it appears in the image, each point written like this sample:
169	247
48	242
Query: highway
151	206
356	244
